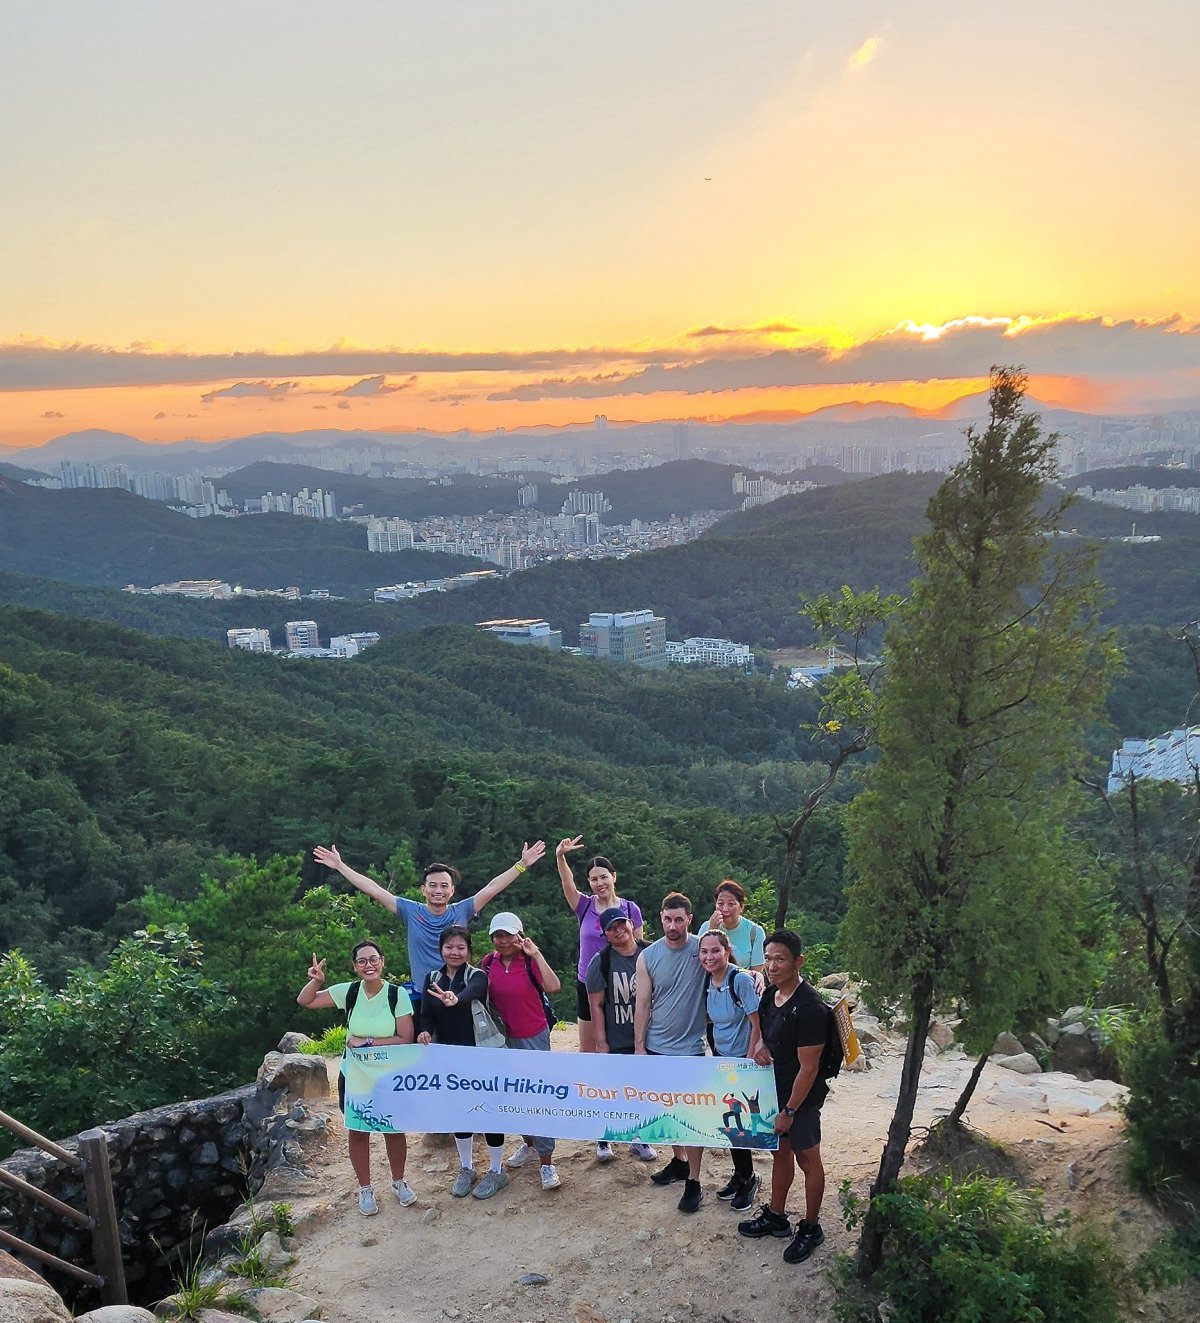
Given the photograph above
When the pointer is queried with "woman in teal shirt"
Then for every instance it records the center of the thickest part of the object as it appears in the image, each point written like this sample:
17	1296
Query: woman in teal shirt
380	1013
745	936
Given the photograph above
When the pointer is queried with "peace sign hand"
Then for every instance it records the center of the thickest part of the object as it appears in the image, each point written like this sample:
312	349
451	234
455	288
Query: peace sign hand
567	845
316	971
444	995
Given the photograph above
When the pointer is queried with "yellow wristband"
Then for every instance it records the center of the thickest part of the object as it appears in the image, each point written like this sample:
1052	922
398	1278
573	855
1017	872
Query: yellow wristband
520	868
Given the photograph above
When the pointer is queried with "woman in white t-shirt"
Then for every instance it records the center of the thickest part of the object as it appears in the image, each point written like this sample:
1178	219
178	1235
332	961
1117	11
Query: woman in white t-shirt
380	1013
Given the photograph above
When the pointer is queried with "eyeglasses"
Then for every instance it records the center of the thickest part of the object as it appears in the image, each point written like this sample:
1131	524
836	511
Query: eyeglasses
369	960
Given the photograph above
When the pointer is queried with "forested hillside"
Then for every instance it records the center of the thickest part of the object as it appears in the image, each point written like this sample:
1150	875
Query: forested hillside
132	761
112	537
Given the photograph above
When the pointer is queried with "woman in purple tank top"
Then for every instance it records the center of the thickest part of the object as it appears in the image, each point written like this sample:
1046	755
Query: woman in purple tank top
587	908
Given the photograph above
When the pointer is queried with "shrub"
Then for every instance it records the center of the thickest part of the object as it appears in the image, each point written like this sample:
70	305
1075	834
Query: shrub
331	1043
1163	1104
981	1250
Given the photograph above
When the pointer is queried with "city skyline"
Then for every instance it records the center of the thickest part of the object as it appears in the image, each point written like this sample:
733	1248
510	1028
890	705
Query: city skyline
279	217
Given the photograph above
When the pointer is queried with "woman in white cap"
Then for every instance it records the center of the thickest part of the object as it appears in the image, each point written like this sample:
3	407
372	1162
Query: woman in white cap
519	980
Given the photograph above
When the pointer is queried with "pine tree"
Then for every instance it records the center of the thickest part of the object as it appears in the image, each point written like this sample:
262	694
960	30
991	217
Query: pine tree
963	887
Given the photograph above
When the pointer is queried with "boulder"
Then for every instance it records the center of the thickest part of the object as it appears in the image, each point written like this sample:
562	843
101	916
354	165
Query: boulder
301	1076
292	1042
868	1029
31	1302
15	1270
1050	1032
940	1035
835	981
1022	1062
1036	1044
1073	1015
279	1304
1007	1045
288	1183
117	1314
272	1253
1075	1051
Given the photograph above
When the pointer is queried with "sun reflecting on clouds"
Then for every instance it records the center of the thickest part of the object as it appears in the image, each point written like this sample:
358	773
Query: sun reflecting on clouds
865	54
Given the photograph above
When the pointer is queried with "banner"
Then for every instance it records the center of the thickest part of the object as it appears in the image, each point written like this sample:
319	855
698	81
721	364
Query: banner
714	1102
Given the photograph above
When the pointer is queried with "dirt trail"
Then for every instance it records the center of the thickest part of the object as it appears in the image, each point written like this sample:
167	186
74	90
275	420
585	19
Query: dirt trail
613	1247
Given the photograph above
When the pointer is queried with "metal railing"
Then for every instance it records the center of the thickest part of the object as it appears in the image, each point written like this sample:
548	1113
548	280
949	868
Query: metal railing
100	1219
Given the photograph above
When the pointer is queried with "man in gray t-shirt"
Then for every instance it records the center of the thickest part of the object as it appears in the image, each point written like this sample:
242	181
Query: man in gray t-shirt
669	1018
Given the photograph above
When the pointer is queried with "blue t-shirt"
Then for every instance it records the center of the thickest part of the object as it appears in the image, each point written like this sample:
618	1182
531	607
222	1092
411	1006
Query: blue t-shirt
424	929
731	1027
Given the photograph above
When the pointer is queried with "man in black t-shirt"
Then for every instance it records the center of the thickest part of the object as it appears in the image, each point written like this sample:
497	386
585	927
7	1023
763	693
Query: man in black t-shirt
795	1023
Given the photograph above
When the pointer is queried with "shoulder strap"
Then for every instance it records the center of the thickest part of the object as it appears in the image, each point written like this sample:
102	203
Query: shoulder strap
393	997
707	985
352	999
486	963
529	971
606	963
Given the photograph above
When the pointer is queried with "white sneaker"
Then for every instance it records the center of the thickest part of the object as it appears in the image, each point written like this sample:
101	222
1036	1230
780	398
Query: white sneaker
519	1157
366	1201
550	1179
643	1151
403	1192
604	1152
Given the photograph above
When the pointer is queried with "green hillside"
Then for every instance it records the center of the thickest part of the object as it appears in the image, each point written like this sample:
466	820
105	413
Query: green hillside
112	537
131	761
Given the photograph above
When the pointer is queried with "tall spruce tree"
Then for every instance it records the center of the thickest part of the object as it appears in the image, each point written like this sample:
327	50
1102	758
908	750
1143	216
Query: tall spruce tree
962	886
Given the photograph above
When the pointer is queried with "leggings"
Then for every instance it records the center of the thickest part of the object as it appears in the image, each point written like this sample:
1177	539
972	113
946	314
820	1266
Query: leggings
492	1141
743	1162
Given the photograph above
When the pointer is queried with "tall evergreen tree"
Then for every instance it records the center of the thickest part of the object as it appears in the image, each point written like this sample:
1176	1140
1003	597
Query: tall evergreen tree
963	887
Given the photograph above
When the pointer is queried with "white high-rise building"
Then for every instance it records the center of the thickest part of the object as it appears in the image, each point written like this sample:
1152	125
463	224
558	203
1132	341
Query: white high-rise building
1171	756
386	535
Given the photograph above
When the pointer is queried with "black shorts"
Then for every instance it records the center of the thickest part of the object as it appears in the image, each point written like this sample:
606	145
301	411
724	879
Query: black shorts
582	1005
806	1129
342	1093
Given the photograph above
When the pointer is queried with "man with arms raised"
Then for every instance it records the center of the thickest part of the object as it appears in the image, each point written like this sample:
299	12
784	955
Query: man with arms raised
424	922
669	1019
795	1024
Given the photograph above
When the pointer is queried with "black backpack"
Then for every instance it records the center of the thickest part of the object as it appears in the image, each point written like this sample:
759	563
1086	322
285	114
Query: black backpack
393	995
832	1054
734	971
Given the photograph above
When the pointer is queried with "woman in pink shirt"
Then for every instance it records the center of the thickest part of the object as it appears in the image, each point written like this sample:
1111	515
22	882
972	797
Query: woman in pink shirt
518	975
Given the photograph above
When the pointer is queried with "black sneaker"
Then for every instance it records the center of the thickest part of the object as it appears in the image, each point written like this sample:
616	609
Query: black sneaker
675	1170
693	1193
730	1188
766	1223
746	1194
807	1238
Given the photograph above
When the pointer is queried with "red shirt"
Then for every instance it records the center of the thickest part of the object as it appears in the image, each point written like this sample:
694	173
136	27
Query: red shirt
517	1000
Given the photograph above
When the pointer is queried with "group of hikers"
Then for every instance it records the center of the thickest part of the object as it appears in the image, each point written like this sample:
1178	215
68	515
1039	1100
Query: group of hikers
733	988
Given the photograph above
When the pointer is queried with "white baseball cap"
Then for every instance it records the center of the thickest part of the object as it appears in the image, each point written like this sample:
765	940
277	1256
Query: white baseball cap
505	922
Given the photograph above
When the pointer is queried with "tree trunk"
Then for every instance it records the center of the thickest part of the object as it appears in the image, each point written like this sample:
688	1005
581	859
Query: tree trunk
785	886
956	1112
870	1246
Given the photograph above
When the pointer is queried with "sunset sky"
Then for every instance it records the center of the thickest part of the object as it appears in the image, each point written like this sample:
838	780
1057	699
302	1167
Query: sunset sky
235	217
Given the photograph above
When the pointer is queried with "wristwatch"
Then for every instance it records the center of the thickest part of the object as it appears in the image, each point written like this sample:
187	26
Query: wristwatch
368	1042
788	1111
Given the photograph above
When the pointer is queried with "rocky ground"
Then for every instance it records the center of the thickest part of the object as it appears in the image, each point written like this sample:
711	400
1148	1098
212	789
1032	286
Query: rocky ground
613	1247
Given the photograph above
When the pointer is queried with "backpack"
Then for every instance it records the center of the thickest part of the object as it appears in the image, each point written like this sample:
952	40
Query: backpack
547	1008
734	971
393	996
833	1053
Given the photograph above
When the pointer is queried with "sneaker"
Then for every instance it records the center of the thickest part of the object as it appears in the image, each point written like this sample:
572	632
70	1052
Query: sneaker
675	1170
693	1193
462	1183
519	1157
604	1152
730	1188
744	1198
490	1183
550	1179
366	1201
807	1238
403	1191
766	1223
643	1152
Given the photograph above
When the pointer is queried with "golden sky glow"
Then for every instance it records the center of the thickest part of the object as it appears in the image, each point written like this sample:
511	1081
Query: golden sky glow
534	178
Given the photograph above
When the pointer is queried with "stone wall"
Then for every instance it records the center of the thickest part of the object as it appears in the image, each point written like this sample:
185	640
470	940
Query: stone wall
176	1170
